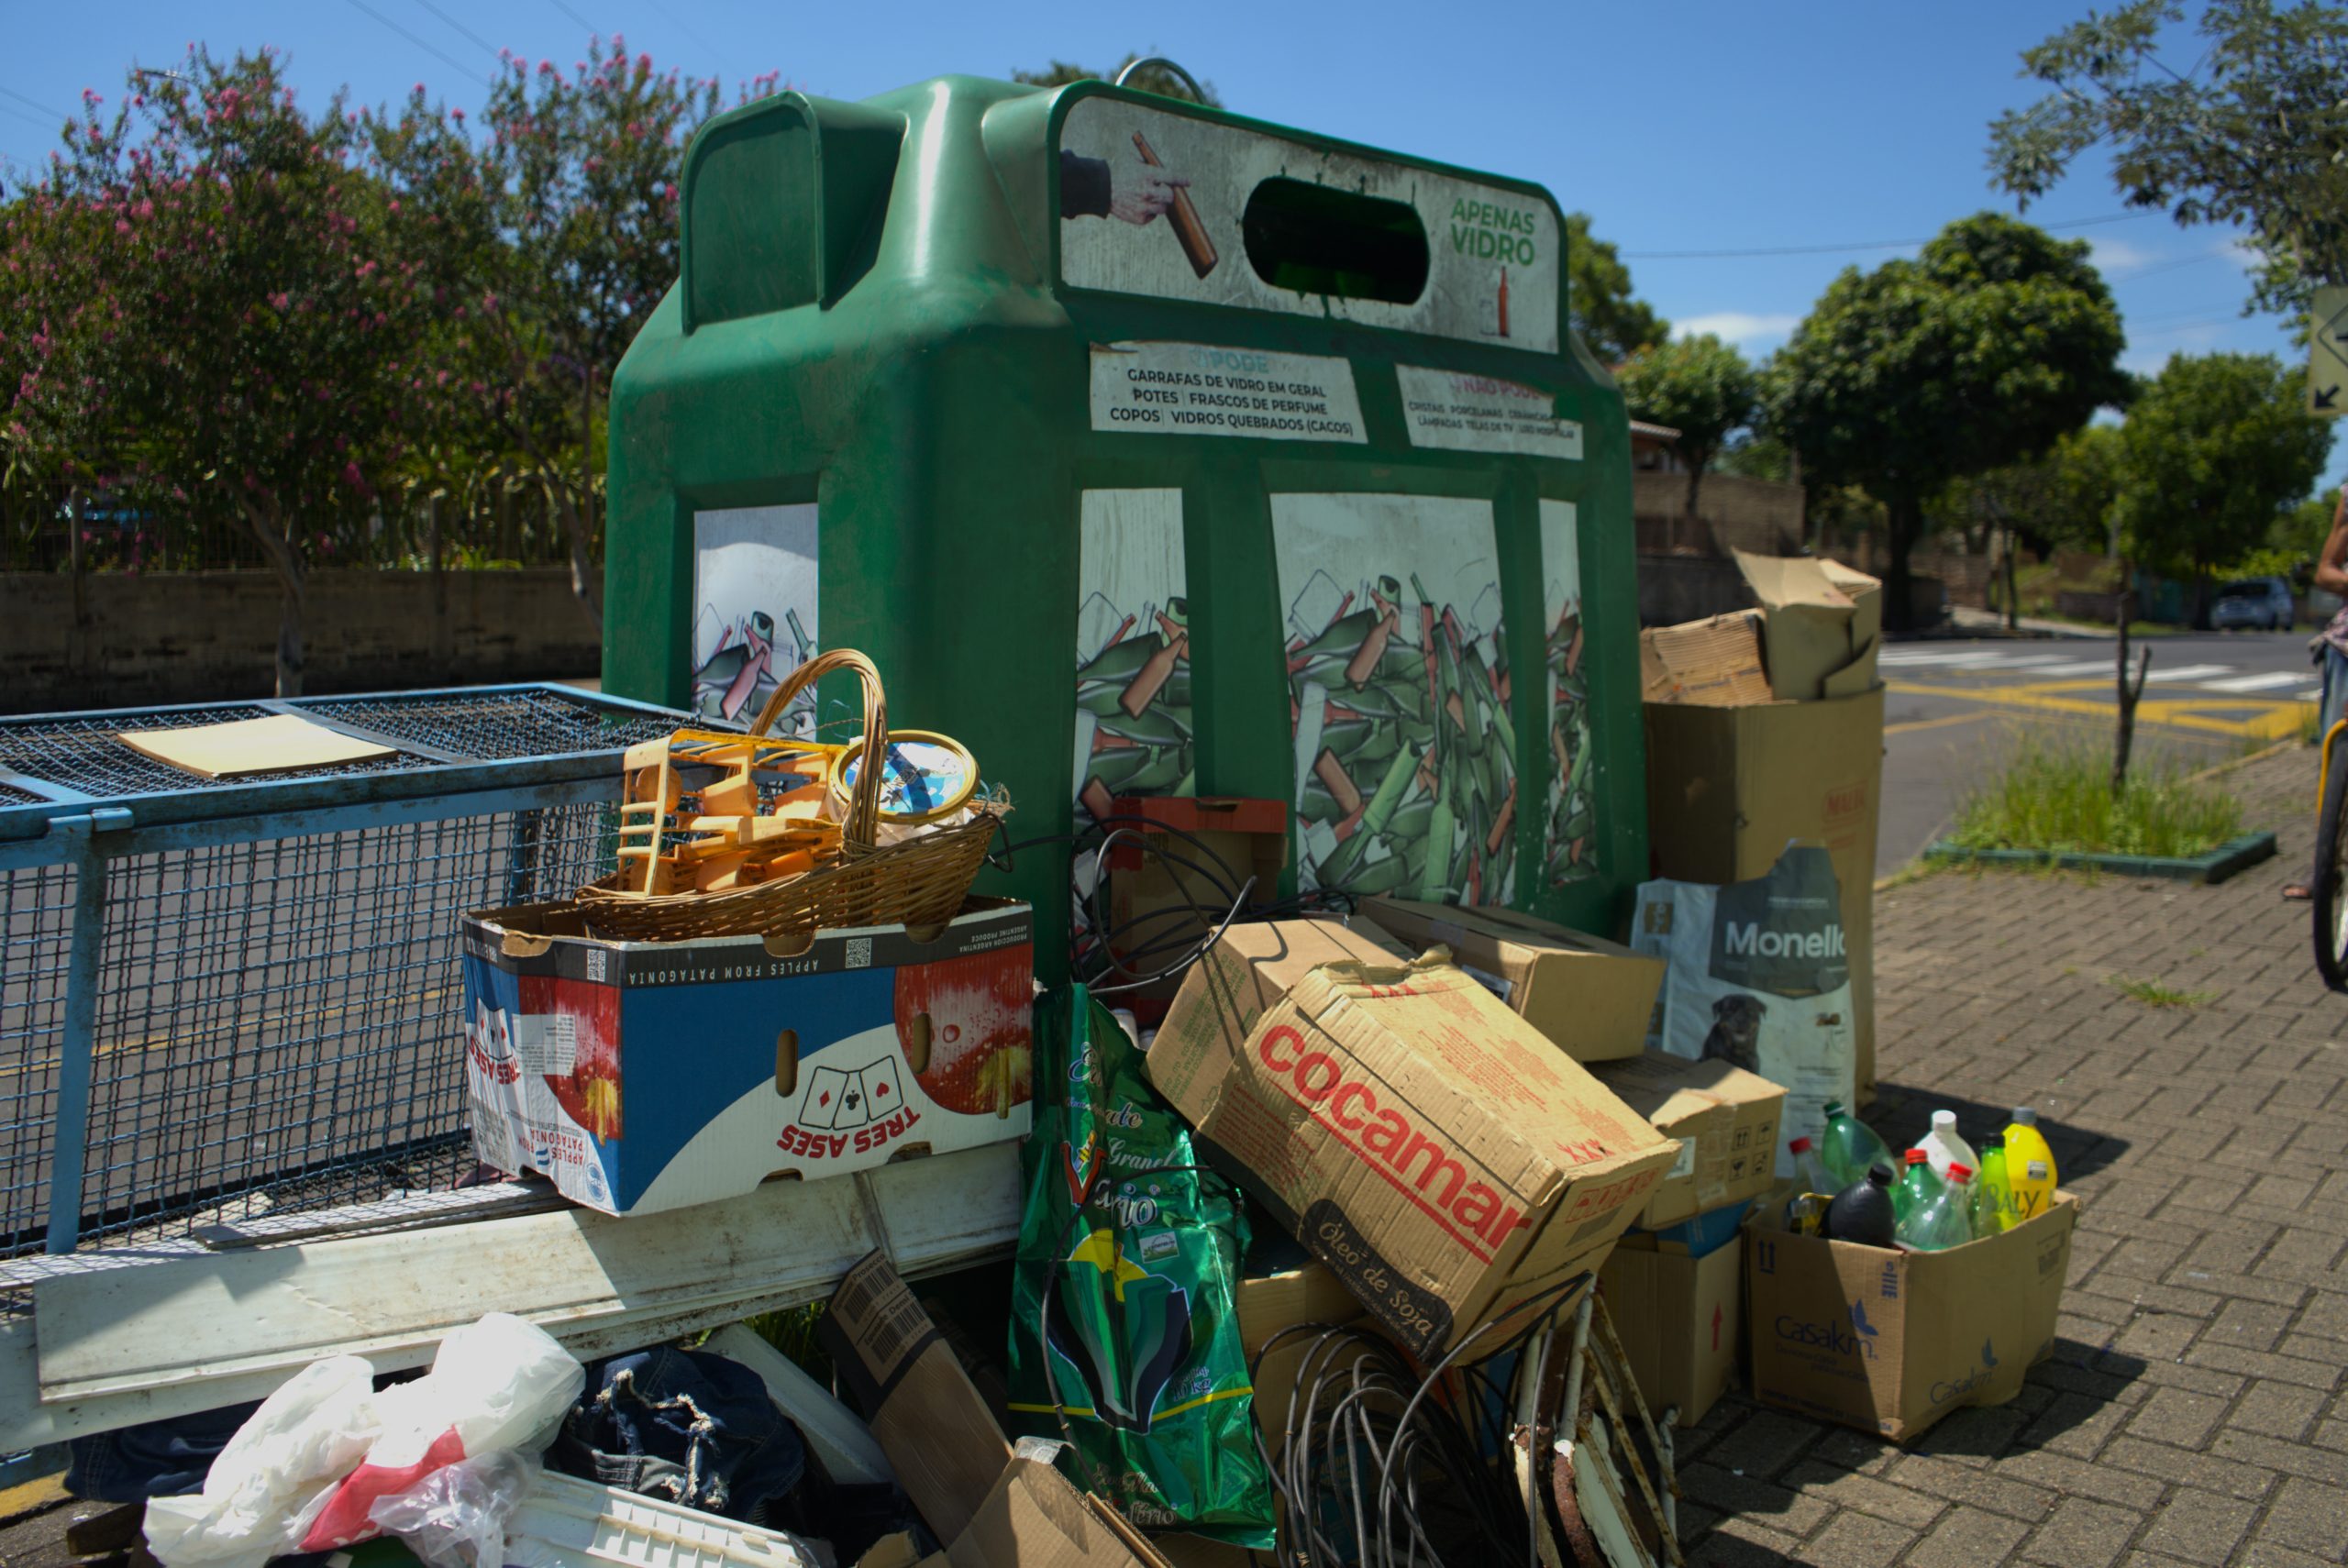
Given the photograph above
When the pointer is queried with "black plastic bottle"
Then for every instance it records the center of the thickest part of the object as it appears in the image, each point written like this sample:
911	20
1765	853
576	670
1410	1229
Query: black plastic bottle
1861	1211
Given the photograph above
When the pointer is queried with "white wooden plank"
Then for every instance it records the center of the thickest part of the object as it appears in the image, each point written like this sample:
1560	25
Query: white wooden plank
269	1311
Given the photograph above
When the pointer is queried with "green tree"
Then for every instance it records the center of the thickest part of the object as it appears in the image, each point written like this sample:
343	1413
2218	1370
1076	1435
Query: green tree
1699	386
221	333
2217	448
2253	132
1148	79
1982	351
549	238
1599	302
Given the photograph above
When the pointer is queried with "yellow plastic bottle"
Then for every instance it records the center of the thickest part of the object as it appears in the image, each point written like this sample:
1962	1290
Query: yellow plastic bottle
2029	1166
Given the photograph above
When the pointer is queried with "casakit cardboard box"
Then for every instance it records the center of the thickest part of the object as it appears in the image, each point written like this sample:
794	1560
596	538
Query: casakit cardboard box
1729	788
991	1502
1892	1341
1425	1142
1679	1320
1592	996
641	1076
1724	1119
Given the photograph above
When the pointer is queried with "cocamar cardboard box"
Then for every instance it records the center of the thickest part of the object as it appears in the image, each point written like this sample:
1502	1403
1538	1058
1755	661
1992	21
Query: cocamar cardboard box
1890	1342
991	1504
1724	1119
1589	996
1729	788
1679	1321
1430	1146
642	1076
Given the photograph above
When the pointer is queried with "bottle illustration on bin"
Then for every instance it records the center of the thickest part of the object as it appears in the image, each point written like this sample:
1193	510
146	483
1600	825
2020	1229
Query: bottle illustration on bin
1125	1343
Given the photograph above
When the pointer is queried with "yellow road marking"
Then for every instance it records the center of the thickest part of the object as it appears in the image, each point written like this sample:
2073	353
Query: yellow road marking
1939	723
2272	721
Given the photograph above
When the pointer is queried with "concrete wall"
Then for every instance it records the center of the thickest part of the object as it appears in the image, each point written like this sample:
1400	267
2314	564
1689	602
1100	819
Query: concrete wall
1758	515
1672	589
202	637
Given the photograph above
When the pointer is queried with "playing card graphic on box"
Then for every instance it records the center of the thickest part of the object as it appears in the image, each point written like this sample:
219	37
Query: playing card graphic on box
650	1075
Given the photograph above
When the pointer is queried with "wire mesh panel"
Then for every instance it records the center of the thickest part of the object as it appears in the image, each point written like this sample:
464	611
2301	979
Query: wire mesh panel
36	934
496	726
82	752
275	1016
280	1021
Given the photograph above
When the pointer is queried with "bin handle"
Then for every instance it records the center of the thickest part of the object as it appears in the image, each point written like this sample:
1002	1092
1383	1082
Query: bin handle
862	822
1189	81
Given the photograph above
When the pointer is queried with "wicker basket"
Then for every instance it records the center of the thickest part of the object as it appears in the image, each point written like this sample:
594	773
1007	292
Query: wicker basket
920	880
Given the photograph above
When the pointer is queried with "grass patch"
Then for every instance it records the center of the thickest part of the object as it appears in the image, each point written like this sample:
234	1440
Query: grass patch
2152	993
2057	796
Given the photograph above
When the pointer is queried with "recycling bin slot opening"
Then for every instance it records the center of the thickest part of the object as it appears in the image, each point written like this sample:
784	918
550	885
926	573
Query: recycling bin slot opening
1311	239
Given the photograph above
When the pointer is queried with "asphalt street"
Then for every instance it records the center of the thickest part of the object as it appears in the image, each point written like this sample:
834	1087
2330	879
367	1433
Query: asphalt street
1956	707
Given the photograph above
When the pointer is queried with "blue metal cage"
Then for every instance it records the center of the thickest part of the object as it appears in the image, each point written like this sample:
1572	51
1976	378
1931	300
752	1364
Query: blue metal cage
224	997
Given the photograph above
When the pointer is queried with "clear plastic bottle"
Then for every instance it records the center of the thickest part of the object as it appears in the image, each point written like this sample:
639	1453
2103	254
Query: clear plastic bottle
1918	1182
1944	1148
1809	1181
1946	1220
1850	1148
1992	1202
2030	1167
1861	1213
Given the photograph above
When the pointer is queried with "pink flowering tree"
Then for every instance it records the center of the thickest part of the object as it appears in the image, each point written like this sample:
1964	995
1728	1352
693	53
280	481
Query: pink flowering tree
553	231
219	326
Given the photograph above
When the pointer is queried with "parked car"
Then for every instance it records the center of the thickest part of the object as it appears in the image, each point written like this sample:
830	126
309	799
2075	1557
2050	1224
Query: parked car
2263	601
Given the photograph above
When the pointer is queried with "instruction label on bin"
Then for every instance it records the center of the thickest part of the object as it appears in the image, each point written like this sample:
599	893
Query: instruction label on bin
1202	389
1483	414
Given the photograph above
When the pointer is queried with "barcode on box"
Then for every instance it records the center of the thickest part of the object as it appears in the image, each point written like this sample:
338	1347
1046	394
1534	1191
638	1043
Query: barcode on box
859	951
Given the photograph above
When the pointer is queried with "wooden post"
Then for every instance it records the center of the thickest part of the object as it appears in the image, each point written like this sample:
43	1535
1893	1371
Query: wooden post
2128	694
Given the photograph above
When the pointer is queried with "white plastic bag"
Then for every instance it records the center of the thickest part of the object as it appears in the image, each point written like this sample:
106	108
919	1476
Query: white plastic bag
275	1474
456	1517
497	1384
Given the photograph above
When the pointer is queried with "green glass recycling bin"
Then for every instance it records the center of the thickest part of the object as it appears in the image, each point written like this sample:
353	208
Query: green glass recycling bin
1149	449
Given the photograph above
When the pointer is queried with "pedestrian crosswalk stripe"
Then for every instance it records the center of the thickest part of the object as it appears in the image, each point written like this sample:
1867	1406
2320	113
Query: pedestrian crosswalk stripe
2261	682
2160	677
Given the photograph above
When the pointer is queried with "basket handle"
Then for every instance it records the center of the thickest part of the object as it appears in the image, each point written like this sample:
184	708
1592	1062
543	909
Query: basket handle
863	823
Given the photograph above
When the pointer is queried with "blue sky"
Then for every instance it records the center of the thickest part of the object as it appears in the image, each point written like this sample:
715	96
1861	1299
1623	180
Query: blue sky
1680	127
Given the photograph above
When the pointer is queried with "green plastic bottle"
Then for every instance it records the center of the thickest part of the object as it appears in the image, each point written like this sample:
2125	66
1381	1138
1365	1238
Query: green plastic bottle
1992	1202
1917	1187
1850	1147
1946	1222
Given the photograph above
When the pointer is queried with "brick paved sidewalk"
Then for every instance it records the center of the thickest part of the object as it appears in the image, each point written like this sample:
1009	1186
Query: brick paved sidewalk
2194	1410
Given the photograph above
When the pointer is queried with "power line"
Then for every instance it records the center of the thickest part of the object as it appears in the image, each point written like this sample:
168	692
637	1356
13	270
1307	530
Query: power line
687	28
1835	249
29	119
575	16
452	21
31	103
363	8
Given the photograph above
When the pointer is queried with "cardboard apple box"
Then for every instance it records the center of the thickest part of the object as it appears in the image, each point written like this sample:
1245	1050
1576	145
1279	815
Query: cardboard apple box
645	1076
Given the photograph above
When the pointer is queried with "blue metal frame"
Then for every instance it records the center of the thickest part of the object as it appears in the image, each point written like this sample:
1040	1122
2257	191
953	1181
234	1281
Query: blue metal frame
86	832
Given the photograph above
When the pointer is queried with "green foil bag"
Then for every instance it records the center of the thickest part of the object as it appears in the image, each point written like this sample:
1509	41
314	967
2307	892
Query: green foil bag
1124	1324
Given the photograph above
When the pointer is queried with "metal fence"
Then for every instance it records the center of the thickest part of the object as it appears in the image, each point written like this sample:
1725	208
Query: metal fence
219	999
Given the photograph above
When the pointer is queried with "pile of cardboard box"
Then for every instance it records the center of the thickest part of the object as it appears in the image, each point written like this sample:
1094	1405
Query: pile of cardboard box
1765	727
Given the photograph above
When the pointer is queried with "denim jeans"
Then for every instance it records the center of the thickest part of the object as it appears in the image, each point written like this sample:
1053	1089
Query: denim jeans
2335	690
153	1459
